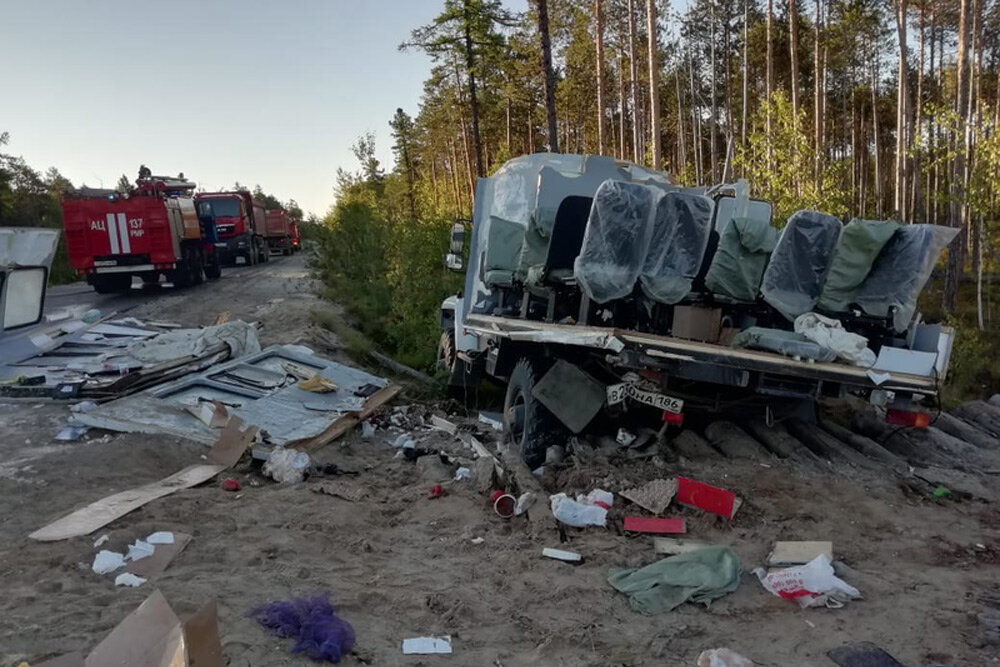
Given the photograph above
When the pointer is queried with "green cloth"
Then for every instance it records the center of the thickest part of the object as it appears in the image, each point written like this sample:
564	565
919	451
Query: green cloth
738	266
859	245
699	576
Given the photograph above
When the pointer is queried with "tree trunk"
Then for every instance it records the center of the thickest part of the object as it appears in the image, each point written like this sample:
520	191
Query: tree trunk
654	85
696	145
470	67
956	206
915	203
599	39
770	77
902	102
542	6
793	31
818	93
622	104
681	149
712	108
746	71
633	82
875	124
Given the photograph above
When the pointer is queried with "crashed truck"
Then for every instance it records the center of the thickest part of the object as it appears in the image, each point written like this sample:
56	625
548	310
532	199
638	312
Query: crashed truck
595	288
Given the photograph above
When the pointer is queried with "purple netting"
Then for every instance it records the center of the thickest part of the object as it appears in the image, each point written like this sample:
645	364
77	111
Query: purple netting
320	633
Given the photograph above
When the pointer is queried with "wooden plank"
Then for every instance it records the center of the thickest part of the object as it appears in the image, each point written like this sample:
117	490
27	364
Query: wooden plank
347	421
798	553
671	546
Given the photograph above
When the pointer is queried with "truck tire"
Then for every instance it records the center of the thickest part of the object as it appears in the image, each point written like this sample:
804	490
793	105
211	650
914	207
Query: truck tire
528	423
213	270
112	284
196	265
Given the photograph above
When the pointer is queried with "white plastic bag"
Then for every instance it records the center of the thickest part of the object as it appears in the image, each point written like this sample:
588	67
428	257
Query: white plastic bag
830	334
589	510
811	585
287	466
722	657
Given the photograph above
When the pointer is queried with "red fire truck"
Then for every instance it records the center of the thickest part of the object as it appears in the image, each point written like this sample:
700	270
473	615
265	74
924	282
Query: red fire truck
296	237
240	220
153	230
279	231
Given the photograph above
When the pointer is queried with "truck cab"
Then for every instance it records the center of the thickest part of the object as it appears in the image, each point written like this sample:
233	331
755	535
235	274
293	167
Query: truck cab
596	286
240	223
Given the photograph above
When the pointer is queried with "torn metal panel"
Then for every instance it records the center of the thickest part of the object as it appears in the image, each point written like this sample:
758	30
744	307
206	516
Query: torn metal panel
572	395
570	337
249	389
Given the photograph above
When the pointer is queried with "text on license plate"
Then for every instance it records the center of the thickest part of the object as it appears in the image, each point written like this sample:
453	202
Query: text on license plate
106	262
619	392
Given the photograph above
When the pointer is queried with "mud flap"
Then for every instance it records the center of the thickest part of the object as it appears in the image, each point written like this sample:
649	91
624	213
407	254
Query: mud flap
570	394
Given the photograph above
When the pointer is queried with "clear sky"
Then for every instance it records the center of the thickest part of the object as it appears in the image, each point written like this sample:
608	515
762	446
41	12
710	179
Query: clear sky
257	91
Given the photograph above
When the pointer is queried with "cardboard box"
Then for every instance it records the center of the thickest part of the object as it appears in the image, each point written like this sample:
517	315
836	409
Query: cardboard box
697	323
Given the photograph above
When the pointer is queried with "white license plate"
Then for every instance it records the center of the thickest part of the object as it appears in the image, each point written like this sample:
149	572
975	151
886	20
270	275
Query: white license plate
221	244
106	262
619	392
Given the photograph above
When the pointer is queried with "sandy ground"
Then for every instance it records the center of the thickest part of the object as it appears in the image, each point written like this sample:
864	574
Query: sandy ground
400	565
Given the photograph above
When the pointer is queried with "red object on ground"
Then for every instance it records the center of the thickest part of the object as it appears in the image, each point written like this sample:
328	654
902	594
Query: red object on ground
504	504
230	484
674	418
640	524
907	418
705	497
436	492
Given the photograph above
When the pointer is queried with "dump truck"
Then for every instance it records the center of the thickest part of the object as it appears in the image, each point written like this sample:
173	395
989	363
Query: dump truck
597	290
154	230
279	231
240	221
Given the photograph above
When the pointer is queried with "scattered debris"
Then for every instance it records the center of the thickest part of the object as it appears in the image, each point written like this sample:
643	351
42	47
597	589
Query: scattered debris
162	557
318	384
492	419
129	579
798	553
654	496
525	502
70	433
639	524
708	498
590	510
341	490
426	645
232	442
107	561
463	474
504	504
723	657
863	655
478	540
443	424
367	430
559	554
677	545
286	466
437	491
101	540
697	576
140	550
811	585
318	632
230	484
624	438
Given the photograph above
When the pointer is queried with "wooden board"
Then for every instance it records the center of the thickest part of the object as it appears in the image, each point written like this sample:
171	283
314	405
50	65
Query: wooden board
346	422
798	553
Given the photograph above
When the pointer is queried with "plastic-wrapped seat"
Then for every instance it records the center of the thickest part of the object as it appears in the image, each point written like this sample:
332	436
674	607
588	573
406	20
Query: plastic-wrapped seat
503	247
564	245
739	262
681	227
615	242
900	272
860	243
796	273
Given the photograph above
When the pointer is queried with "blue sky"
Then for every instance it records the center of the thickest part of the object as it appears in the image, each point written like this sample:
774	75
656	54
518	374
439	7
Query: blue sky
270	92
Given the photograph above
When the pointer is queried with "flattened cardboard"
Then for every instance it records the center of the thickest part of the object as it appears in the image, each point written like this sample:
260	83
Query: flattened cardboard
654	496
798	553
161	558
227	451
151	636
201	634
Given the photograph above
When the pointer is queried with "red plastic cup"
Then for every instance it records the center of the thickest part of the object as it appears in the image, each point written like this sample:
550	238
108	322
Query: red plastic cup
503	504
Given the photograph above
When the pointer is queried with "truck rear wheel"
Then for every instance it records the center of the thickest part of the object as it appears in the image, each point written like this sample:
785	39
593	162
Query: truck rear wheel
213	269
112	284
528	423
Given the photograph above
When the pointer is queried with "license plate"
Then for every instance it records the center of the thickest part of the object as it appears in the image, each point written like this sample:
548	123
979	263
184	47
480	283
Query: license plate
619	392
220	245
106	262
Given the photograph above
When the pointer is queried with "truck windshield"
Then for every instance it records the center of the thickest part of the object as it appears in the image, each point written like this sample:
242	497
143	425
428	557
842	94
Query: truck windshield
220	208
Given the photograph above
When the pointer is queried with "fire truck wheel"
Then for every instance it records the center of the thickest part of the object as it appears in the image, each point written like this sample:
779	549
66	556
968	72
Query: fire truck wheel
197	267
112	284
213	270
